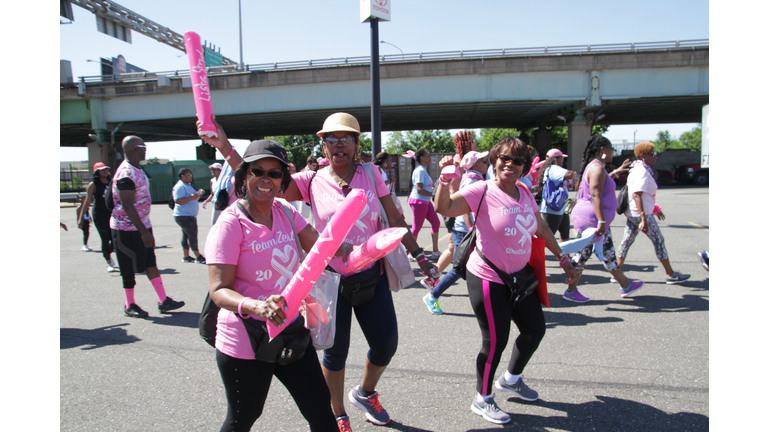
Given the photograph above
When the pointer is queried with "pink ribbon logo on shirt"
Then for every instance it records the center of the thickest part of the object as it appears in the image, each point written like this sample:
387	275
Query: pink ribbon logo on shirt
525	225
288	256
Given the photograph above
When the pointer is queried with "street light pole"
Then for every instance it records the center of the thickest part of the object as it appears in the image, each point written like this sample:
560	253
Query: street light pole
634	139
240	14
375	92
401	51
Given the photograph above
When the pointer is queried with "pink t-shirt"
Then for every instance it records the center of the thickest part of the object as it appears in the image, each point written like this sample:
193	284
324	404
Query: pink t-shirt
143	202
327	196
504	229
265	259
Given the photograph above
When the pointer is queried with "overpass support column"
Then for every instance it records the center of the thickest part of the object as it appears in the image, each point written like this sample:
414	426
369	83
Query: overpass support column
579	132
543	140
97	151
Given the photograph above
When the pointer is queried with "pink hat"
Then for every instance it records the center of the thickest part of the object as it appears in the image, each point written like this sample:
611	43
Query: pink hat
99	165
555	153
323	162
215	166
471	158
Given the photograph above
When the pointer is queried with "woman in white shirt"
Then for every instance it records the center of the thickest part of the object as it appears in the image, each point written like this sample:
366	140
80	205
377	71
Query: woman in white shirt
642	206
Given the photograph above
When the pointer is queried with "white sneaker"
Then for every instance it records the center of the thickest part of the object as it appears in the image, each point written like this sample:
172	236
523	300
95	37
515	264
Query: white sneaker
112	262
86	248
110	269
613	280
435	255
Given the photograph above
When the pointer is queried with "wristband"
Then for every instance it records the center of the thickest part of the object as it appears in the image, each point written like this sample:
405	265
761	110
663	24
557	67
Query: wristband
423	258
417	252
564	259
231	152
240	308
600	222
442	182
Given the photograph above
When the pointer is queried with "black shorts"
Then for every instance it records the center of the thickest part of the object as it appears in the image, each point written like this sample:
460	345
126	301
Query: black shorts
132	256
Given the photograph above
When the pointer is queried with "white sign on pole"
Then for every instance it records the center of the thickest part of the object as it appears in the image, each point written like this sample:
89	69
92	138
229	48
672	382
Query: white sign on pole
378	9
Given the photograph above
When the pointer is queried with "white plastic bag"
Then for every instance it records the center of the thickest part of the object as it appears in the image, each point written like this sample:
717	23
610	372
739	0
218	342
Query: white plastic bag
319	309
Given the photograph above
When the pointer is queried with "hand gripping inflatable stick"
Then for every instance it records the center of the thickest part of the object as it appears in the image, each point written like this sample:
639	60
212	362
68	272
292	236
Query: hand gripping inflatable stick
319	256
200	88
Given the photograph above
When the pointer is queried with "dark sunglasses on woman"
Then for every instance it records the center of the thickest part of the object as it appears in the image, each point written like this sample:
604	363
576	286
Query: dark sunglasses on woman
516	160
332	141
271	174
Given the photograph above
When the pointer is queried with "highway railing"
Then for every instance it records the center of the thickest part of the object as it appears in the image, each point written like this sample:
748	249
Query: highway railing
692	44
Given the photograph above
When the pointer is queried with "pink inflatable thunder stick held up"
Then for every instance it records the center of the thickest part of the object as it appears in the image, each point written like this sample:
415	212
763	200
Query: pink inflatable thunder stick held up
376	247
321	253
200	89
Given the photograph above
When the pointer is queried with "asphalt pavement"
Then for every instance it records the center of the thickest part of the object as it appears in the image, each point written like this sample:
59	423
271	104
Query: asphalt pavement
613	364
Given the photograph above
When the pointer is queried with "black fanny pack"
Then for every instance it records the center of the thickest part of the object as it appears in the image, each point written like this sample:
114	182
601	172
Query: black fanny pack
360	288
521	284
287	347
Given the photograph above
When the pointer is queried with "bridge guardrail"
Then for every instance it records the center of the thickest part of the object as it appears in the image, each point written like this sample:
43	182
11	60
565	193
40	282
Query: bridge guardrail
414	57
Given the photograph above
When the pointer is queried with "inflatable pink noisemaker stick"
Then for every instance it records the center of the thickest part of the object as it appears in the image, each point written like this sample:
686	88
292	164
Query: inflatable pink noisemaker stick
450	172
200	89
376	247
321	253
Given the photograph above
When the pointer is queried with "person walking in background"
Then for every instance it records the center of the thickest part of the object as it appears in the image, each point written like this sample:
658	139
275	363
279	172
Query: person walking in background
420	198
552	170
475	165
132	229
84	224
384	162
185	214
95	193
244	283
596	208
642	207
504	238
215	173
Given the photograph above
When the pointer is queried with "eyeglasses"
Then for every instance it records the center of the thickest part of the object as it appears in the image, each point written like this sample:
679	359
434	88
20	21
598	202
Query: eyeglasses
654	154
516	161
271	174
332	141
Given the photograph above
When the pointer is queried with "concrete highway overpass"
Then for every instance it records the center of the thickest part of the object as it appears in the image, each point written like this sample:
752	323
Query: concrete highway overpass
661	82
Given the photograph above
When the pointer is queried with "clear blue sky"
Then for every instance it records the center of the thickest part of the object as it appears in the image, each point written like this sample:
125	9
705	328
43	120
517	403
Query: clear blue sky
301	30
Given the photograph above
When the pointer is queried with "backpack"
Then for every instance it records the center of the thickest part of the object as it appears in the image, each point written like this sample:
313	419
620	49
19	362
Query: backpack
623	200
110	203
554	196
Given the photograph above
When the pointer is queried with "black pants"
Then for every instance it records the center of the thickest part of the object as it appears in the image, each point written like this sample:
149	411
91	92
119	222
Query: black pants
105	233
247	382
557	223
86	231
188	226
491	303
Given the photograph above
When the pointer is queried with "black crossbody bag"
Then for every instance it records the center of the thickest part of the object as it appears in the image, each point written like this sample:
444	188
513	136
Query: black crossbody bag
521	284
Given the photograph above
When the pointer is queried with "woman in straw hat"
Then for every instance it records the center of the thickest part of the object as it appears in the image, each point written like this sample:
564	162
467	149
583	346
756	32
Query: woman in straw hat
376	314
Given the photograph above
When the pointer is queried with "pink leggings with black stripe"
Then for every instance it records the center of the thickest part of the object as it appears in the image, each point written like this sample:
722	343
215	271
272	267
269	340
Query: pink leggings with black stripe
423	210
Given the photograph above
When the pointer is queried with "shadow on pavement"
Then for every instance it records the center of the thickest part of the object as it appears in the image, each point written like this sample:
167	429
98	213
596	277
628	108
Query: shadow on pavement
655	304
568	319
178	319
96	338
401	427
606	414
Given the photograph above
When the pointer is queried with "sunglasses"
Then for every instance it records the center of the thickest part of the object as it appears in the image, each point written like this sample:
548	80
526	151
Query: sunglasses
332	141
515	160
271	174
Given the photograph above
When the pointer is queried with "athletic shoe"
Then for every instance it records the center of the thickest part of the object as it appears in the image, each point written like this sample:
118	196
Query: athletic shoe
86	248
632	288
188	259
613	280
435	255
135	311
200	259
110	268
370	405
490	411
519	388
411	258
112	262
343	424
704	258
575	297
677	278
432	305
169	304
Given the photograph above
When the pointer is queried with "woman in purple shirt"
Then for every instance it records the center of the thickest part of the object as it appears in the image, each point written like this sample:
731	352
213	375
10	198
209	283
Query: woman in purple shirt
596	208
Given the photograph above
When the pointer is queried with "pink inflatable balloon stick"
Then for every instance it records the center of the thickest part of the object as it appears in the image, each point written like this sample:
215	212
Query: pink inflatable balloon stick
451	172
376	247
320	255
200	89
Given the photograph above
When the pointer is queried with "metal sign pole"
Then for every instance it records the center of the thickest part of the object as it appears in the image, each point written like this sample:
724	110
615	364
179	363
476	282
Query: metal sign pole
375	93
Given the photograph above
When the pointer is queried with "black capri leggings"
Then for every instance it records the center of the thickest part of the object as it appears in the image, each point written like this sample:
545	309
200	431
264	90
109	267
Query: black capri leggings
491	303
105	233
188	226
557	223
247	382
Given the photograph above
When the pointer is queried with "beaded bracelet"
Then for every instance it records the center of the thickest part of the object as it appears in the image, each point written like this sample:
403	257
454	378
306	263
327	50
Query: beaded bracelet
240	307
